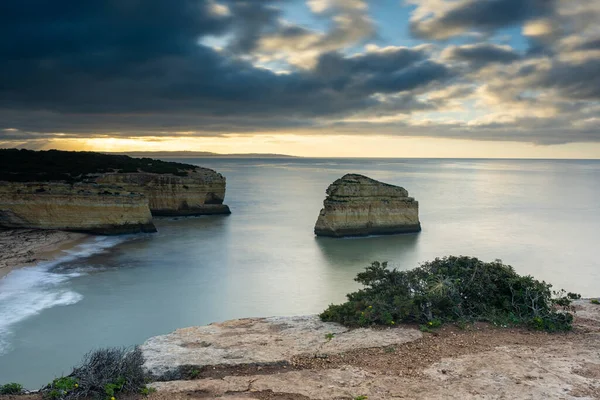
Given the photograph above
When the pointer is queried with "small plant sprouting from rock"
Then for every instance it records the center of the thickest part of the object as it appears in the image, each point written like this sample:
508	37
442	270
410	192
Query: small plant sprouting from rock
454	289
430	326
329	336
194	373
11	388
595	301
147	391
361	398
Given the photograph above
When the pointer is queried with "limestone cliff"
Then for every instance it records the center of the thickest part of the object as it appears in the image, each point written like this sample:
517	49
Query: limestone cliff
358	206
101	193
201	192
84	207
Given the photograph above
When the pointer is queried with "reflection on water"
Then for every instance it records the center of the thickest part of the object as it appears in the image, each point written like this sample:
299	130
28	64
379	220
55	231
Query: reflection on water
399	250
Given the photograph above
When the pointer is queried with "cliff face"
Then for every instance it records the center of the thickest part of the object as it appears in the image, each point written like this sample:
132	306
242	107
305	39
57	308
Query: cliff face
201	192
101	193
357	206
80	207
112	203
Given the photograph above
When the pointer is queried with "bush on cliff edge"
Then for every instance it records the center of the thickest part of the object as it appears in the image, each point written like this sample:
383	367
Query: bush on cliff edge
453	289
103	374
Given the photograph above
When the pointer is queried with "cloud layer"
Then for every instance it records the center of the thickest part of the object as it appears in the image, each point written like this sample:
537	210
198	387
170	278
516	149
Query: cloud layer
132	68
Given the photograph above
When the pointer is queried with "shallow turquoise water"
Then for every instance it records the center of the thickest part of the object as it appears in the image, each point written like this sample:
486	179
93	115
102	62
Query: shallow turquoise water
543	217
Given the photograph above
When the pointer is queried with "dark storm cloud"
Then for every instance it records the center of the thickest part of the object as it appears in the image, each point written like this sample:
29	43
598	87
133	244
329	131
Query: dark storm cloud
590	44
108	66
139	68
334	64
578	81
480	15
252	19
482	54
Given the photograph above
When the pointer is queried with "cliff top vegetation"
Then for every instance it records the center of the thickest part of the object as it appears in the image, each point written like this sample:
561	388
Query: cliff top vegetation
72	166
454	289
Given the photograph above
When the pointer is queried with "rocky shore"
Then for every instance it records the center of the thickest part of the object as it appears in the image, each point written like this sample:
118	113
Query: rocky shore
24	247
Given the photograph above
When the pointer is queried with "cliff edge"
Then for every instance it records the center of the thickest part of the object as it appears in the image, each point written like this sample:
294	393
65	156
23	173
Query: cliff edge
358	206
100	193
298	358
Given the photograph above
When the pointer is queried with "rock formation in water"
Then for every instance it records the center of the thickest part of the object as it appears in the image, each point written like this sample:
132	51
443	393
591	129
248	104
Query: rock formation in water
99	193
358	206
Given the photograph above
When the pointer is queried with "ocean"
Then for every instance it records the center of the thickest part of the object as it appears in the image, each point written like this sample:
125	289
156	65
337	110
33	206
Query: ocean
540	216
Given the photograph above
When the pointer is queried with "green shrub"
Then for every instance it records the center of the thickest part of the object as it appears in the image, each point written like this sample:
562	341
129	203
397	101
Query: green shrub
146	391
595	301
103	374
61	388
11	388
453	289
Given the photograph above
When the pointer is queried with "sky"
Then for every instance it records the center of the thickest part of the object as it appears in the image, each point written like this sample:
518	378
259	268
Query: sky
323	78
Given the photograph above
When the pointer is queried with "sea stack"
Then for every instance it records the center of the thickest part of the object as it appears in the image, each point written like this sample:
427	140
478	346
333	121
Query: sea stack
359	206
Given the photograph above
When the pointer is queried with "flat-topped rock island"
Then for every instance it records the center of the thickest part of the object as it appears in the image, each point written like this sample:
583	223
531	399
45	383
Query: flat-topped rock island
357	205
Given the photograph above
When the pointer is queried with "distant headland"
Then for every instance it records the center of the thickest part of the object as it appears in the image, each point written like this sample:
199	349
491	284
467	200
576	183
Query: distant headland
198	154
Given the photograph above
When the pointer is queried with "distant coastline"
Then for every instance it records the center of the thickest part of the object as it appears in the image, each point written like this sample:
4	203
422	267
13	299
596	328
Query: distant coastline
198	154
208	154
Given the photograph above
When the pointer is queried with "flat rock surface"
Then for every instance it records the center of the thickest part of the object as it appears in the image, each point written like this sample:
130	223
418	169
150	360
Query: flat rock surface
477	362
261	341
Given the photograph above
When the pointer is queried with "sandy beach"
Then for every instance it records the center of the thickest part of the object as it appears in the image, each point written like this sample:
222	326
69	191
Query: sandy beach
26	247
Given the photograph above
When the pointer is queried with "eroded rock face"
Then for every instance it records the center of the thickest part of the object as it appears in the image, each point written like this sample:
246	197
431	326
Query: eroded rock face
262	341
201	192
112	203
358	206
83	207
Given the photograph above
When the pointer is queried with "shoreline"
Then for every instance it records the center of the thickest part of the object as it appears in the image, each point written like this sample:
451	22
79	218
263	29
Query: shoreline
28	247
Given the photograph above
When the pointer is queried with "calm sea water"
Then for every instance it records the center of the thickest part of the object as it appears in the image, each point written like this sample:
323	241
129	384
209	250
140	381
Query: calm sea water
542	217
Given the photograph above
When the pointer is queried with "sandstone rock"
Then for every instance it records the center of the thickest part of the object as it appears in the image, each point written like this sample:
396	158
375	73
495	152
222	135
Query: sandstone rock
358	206
83	207
201	192
111	203
260	341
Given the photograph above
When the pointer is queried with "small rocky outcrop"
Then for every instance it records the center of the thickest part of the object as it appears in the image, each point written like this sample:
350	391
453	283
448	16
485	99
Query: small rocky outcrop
359	206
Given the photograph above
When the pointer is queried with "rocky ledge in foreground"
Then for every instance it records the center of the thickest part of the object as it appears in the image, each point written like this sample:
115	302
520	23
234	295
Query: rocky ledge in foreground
258	342
298	359
359	206
100	193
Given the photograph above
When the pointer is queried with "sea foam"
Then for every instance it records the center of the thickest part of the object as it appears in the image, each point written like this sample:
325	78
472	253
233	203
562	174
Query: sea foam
27	291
